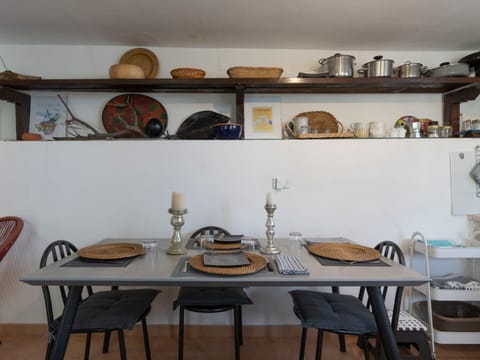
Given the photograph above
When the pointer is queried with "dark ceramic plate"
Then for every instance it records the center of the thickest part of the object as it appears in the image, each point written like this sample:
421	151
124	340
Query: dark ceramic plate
200	125
232	259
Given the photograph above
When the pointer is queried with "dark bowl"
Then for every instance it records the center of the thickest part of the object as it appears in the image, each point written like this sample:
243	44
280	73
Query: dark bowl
228	131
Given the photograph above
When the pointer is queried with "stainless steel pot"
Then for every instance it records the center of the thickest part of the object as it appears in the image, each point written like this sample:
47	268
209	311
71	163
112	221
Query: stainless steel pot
379	67
338	65
410	70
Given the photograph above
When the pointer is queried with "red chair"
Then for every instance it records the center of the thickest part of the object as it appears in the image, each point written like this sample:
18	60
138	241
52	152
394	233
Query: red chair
10	228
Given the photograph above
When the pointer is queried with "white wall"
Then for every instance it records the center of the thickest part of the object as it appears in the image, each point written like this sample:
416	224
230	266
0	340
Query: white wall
366	190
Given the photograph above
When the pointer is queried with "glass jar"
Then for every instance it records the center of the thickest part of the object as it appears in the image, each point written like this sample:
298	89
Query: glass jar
444	131
433	131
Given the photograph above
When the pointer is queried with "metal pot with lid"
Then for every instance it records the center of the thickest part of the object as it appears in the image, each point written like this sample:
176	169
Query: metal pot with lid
379	67
410	70
338	65
447	69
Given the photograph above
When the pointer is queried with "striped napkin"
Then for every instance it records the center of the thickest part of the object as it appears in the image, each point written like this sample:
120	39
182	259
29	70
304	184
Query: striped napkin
290	265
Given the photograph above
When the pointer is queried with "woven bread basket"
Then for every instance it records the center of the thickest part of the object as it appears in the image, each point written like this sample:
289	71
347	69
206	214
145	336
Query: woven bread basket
187	73
326	124
323	121
254	72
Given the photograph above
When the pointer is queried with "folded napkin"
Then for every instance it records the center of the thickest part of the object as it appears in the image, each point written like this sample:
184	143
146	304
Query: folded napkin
290	265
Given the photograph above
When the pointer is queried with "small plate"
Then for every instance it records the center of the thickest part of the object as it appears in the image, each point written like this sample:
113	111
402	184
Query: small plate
229	239
144	58
227	259
110	251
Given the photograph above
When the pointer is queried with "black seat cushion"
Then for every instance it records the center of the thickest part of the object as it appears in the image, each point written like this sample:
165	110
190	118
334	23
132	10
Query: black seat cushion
214	296
332	312
117	309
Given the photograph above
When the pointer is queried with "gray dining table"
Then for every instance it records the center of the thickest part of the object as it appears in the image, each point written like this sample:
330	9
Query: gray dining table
156	268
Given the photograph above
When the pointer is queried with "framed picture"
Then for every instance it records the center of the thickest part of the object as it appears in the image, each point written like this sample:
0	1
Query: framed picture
263	117
48	117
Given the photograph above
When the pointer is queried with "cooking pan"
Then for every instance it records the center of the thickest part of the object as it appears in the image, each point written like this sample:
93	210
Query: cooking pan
446	69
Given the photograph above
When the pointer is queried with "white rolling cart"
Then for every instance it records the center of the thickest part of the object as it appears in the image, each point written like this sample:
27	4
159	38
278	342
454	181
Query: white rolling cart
444	329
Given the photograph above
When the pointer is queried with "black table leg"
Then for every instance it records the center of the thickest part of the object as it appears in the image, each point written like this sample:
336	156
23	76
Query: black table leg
63	332
385	330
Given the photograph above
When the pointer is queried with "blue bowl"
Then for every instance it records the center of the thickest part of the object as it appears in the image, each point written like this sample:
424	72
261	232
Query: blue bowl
228	131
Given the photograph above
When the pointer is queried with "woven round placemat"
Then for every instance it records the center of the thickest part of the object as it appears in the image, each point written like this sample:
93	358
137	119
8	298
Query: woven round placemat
322	120
343	251
110	251
257	263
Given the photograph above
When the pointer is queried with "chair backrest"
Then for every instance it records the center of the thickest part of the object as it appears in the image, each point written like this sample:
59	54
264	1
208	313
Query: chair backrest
10	229
391	251
57	250
209	230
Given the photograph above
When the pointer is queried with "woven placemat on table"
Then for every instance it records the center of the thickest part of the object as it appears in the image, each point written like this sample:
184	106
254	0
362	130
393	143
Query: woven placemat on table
257	263
111	251
345	252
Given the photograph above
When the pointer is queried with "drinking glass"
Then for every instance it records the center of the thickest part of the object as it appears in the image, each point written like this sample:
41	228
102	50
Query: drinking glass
247	244
295	243
206	242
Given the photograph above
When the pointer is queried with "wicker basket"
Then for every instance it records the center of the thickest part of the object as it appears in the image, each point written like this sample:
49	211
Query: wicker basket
326	124
187	73
254	72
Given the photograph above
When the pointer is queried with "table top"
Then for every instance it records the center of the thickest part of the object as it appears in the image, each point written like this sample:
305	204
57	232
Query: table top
158	269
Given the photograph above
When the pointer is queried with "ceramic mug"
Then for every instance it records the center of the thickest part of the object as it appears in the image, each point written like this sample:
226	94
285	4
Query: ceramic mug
299	125
376	129
360	129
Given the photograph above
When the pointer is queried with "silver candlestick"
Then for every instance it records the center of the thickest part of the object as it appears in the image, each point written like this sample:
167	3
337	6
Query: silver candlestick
177	222
269	249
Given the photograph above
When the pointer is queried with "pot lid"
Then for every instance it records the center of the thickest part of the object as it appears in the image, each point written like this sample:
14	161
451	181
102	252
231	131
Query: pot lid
378	58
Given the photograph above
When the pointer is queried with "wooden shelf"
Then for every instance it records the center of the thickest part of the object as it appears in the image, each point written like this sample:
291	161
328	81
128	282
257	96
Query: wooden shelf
226	85
456	90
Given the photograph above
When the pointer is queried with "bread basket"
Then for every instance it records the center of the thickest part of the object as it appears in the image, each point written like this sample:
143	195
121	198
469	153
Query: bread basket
187	73
254	72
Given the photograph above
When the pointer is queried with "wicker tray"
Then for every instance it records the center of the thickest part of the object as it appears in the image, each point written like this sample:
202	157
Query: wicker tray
326	124
110	251
257	263
254	72
344	251
187	73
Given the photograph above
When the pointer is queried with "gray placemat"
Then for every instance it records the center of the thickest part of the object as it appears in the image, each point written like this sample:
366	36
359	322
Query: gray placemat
333	262
181	270
81	262
192	244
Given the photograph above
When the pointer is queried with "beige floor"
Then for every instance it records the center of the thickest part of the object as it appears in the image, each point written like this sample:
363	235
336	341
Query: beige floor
212	343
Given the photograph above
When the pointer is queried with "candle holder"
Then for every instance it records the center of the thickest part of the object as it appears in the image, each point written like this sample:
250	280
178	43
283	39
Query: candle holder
177	222
270	249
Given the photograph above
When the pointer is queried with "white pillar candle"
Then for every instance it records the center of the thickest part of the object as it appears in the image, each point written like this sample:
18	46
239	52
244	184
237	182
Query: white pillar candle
178	201
269	198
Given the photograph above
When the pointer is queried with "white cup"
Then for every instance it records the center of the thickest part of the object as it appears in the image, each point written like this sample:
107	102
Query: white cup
376	129
300	125
360	129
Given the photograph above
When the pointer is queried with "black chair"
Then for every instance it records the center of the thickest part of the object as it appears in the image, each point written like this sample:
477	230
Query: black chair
345	314
103	311
211	300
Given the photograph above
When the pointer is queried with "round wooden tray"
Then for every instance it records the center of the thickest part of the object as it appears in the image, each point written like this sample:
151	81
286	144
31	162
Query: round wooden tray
257	263
110	251
344	251
144	58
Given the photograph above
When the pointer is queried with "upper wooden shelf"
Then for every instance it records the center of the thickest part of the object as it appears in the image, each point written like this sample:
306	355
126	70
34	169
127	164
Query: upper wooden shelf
265	86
